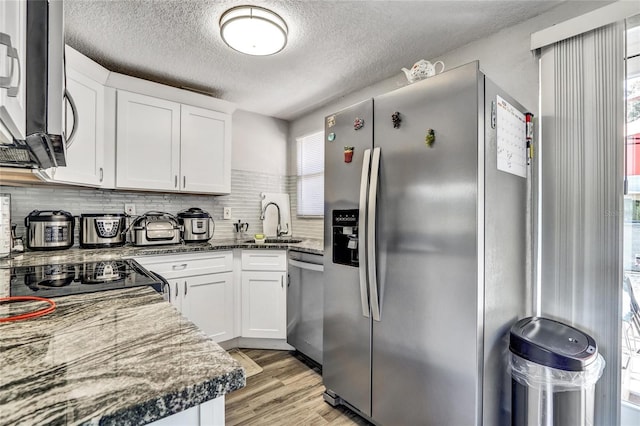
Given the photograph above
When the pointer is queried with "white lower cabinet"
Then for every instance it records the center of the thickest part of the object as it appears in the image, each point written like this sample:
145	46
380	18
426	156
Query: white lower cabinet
264	303
210	413
264	294
201	288
208	302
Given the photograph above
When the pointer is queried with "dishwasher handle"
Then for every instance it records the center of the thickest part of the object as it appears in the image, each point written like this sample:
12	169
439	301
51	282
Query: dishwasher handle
305	265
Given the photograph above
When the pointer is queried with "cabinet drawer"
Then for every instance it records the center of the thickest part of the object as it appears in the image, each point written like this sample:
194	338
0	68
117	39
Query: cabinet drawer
264	260
187	265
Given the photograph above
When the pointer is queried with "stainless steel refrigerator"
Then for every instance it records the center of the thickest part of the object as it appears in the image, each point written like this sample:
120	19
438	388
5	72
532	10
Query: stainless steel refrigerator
424	266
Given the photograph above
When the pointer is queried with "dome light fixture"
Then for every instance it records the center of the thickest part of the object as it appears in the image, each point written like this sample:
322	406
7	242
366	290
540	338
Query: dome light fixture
253	30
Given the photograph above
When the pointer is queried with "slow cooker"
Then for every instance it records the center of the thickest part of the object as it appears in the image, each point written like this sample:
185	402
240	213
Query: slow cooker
197	225
103	230
49	229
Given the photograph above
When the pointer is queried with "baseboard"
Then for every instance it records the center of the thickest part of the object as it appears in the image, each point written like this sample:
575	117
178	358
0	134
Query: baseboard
253	343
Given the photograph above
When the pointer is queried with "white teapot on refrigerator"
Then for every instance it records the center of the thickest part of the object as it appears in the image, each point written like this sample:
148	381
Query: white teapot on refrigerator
421	70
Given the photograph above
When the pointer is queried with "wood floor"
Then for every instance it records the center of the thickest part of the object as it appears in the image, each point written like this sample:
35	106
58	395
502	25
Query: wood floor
286	392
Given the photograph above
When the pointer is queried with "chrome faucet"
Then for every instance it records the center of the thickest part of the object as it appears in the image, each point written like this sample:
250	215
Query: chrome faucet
279	230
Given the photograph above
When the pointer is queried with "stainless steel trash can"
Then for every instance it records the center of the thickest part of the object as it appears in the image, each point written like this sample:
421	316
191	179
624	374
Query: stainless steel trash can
554	369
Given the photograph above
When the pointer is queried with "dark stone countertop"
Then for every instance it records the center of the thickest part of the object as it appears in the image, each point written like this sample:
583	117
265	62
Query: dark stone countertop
80	255
113	357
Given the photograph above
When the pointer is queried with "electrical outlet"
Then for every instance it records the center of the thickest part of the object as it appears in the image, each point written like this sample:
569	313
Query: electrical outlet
227	213
130	209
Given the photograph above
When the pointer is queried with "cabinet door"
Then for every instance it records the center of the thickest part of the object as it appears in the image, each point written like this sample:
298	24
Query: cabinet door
13	26
205	151
85	156
264	303
147	142
207	301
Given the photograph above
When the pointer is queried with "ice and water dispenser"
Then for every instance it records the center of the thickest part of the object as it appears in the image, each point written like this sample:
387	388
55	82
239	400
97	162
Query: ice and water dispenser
344	224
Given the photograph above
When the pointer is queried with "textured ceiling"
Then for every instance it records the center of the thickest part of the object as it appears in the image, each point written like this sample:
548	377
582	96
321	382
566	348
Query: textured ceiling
334	47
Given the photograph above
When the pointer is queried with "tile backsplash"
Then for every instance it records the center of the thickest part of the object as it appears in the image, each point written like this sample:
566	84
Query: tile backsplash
244	201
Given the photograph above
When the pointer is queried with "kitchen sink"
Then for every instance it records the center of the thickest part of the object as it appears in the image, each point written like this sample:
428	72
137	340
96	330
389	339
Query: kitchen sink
278	240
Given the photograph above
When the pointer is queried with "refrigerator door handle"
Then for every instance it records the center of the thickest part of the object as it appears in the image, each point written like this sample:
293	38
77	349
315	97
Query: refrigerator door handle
362	228
371	235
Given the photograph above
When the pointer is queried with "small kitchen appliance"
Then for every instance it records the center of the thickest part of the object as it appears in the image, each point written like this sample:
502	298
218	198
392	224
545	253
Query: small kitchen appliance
42	71
197	225
49	229
155	228
103	230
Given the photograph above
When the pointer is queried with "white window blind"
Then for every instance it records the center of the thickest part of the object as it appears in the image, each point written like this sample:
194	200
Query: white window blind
311	175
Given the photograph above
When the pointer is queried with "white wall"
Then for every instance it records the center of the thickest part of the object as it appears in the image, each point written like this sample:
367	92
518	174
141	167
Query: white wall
505	58
259	143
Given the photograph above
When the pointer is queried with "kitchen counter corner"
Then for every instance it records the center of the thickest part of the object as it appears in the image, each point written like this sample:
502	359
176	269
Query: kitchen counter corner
113	357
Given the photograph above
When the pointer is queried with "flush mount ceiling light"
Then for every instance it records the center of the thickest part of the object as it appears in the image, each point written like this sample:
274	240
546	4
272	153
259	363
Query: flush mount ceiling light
253	30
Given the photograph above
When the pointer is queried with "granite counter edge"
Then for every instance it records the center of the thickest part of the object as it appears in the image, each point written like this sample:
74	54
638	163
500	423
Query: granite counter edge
174	402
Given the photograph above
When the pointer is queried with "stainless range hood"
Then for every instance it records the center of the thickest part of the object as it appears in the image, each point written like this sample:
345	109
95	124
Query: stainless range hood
46	143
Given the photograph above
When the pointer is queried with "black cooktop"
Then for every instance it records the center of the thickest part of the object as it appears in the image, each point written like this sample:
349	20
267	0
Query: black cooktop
62	279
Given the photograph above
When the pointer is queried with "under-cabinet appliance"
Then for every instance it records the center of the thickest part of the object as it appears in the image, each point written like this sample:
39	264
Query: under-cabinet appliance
49	229
47	136
154	228
103	230
197	225
414	331
305	304
63	279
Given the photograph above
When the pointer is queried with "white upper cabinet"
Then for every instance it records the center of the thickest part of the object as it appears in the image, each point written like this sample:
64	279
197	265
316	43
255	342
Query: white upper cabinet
13	33
147	142
86	154
91	151
205	147
163	145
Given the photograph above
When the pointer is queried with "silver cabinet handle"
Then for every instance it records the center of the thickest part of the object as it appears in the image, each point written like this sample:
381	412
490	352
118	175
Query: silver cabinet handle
74	112
179	267
371	235
282	281
176	290
12	54
175	181
185	288
101	174
362	226
184	181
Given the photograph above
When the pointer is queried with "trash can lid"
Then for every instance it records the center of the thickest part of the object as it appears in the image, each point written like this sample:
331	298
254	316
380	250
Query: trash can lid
552	344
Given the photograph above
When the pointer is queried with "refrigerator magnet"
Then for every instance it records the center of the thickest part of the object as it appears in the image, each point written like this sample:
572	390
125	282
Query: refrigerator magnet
331	121
396	120
348	154
358	123
331	137
430	138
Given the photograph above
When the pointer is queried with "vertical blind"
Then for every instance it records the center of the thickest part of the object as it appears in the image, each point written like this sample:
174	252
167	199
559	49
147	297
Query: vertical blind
581	192
311	175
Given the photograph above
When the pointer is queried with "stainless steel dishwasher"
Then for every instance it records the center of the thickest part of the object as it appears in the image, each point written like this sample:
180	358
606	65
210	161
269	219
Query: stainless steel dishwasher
305	303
